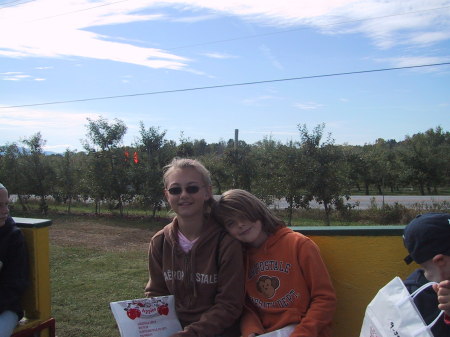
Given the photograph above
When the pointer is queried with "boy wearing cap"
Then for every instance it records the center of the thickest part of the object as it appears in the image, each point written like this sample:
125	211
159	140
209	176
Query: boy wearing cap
427	239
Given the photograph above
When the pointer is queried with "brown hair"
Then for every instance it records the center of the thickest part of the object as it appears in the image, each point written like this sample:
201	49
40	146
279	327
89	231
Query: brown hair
240	204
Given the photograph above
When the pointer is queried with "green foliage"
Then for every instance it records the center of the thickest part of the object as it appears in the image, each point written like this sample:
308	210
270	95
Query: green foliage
310	168
325	170
426	158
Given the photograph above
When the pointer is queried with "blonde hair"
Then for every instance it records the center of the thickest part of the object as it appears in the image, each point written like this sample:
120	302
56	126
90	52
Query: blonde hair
240	204
183	163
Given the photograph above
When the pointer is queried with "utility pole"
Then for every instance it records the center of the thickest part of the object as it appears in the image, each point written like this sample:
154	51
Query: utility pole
236	140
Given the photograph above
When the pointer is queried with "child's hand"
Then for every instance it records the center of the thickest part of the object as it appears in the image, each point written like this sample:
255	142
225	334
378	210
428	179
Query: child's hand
443	291
251	335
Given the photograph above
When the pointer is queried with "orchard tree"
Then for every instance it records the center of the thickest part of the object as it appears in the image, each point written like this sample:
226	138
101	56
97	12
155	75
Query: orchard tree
107	169
325	170
241	164
426	158
12	171
382	165
293	181
269	170
147	173
220	175
38	174
69	169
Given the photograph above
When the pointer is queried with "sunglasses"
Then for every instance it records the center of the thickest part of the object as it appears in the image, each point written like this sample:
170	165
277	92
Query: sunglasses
189	189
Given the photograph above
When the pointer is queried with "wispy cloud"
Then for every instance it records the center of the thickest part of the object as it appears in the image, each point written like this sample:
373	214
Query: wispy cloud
42	29
308	106
391	23
428	38
18	76
14	76
216	55
195	19
408	61
60	29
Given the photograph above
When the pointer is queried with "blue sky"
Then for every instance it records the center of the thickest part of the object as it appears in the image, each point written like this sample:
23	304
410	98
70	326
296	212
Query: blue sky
66	50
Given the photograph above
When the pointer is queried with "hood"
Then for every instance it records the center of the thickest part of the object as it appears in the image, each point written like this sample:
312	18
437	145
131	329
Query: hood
272	240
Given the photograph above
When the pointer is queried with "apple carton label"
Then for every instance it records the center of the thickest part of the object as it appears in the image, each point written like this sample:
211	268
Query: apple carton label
146	317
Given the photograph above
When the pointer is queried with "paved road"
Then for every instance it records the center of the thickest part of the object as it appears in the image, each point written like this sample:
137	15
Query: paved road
408	200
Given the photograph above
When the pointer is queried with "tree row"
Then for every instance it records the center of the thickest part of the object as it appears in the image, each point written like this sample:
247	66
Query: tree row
311	168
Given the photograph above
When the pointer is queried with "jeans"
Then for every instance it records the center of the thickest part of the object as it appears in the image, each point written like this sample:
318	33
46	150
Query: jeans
8	321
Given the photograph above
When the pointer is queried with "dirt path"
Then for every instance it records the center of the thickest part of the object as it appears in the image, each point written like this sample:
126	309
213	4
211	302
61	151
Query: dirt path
92	234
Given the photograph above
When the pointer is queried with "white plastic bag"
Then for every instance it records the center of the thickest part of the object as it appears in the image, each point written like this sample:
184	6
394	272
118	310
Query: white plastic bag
392	313
283	332
145	317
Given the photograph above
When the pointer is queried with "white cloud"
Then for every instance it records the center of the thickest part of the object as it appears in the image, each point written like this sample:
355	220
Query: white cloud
13	76
60	29
281	12
308	106
18	76
408	61
428	38
391	23
57	29
216	55
194	19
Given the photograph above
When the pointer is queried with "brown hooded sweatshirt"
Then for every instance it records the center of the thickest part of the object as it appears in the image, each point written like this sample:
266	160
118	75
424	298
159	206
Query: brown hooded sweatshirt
207	282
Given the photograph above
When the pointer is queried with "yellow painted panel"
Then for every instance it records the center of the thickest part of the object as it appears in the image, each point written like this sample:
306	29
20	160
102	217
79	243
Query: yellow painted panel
37	299
359	266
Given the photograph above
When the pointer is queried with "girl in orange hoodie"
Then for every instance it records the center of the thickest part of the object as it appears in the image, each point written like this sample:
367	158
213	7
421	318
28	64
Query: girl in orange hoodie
286	280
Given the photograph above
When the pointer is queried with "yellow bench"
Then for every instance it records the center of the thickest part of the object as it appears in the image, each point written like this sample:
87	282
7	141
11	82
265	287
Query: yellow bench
37	299
360	260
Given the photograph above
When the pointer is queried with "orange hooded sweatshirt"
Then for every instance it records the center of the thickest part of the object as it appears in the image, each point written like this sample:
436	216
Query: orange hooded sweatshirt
286	283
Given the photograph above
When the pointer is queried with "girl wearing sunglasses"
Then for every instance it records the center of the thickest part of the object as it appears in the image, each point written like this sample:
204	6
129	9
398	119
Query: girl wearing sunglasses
193	259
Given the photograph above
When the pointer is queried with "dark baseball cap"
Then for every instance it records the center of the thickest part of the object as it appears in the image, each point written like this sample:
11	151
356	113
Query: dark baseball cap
426	236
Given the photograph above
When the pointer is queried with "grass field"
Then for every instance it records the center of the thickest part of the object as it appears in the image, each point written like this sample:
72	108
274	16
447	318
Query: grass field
91	265
85	281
